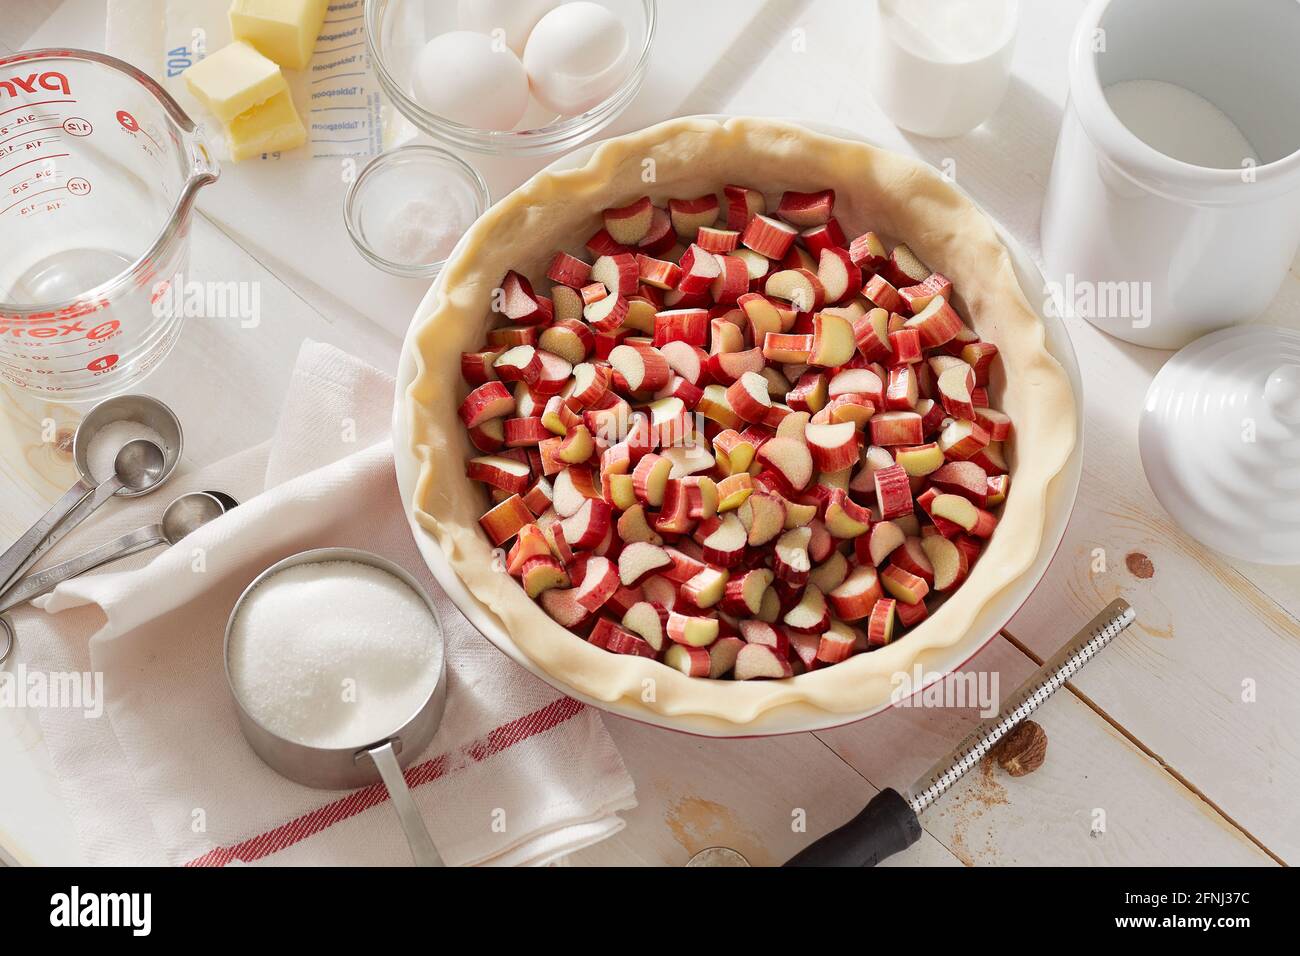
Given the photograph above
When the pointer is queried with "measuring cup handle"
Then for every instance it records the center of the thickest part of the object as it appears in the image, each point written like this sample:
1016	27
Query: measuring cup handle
417	835
18	553
34	585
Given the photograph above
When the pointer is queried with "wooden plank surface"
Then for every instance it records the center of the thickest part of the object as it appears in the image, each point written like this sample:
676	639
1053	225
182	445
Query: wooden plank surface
1225	771
1097	800
1209	685
749	795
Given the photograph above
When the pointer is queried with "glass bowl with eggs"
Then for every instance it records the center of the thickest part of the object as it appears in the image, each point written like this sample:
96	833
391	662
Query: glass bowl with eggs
514	77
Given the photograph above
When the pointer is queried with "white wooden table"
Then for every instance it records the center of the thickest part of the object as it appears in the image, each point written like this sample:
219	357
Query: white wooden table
1158	754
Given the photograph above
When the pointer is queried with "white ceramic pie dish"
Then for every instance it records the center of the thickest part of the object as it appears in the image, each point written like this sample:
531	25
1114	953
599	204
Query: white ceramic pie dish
794	716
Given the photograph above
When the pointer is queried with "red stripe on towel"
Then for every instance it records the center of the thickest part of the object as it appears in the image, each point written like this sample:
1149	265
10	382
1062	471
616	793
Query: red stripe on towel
324	817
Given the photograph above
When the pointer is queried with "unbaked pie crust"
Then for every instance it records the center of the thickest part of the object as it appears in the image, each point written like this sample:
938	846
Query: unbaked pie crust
901	199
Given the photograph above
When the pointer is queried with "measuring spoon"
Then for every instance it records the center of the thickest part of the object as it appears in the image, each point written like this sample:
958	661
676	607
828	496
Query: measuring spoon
183	516
75	506
138	467
227	501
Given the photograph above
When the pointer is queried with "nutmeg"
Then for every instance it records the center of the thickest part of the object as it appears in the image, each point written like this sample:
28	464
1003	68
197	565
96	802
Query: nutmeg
1023	750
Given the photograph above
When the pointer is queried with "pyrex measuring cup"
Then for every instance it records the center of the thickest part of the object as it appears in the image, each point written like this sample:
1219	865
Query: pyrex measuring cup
99	169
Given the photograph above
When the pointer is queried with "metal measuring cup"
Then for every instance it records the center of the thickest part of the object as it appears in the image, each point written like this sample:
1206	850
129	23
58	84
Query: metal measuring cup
346	768
81	500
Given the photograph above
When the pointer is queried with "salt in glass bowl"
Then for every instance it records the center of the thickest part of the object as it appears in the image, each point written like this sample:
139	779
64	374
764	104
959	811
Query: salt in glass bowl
389	188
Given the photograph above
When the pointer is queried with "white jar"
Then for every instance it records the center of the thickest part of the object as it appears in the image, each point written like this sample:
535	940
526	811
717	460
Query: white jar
940	67
1152	249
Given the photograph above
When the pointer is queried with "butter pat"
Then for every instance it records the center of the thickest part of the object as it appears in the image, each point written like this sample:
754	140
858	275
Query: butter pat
233	80
271	127
249	95
284	30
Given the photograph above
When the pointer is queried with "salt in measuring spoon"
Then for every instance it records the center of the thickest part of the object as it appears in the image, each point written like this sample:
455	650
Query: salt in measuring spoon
183	516
139	467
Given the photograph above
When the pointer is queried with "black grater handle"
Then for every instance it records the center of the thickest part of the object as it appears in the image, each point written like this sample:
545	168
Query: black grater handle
887	825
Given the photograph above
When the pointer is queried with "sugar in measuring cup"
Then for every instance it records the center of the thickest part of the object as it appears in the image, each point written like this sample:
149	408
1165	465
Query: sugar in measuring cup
337	665
99	169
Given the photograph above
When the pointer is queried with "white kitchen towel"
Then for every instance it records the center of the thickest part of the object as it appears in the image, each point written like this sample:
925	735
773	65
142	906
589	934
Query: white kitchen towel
516	774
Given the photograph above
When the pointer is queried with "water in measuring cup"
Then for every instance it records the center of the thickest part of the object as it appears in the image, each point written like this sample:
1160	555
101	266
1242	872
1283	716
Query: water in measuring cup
66	249
66	274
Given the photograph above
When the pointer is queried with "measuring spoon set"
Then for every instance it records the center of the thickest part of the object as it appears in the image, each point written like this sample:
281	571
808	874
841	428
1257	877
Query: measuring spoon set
139	467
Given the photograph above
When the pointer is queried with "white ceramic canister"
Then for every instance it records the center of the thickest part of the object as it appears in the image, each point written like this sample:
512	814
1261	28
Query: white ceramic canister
940	67
1151	249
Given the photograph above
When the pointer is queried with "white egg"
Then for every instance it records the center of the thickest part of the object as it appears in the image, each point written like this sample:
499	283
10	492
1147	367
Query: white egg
577	56
466	78
516	17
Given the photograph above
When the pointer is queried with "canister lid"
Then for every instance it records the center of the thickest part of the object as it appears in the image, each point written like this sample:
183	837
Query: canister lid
1220	442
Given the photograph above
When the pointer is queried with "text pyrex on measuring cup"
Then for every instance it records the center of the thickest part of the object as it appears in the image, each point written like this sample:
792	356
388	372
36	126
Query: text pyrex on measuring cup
99	169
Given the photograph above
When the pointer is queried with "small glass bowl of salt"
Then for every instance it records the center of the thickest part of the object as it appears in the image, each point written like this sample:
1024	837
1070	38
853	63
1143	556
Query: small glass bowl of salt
409	207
